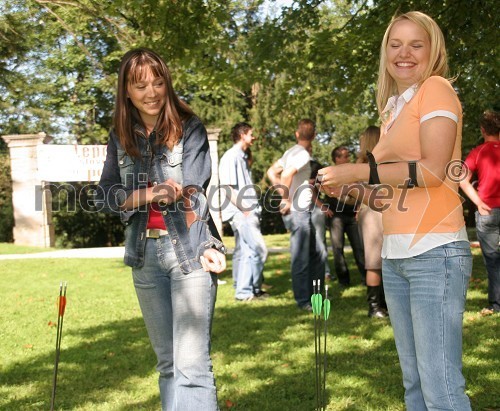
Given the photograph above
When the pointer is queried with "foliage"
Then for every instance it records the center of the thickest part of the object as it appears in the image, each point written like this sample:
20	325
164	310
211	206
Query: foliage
6	211
77	223
232	61
263	352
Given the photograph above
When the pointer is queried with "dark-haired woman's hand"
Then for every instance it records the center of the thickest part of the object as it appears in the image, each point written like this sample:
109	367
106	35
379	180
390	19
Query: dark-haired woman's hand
213	260
167	192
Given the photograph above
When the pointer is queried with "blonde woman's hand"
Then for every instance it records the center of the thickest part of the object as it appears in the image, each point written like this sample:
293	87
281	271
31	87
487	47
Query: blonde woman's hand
213	260
339	175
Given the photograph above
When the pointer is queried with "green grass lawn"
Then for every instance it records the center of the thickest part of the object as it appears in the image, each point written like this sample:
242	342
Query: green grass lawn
263	351
9	248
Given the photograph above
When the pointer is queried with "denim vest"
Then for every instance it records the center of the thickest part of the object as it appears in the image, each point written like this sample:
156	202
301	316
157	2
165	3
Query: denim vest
188	164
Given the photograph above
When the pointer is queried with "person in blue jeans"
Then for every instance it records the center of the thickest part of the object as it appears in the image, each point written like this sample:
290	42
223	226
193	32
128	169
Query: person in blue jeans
156	171
426	256
242	210
320	214
290	175
344	222
484	161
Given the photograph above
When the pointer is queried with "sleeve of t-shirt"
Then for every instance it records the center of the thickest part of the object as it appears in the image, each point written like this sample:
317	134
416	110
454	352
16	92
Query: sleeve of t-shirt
298	160
438	99
228	175
471	160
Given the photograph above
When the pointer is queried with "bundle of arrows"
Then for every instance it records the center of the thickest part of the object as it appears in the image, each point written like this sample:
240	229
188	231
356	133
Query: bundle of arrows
321	312
61	306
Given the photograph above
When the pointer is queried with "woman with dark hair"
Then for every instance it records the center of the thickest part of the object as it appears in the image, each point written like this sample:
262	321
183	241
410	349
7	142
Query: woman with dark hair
156	171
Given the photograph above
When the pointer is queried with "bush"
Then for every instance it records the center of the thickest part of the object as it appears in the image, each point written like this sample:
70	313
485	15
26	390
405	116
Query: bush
76	221
6	209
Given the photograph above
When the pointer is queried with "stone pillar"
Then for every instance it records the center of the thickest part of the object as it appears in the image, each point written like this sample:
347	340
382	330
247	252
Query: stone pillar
32	223
213	192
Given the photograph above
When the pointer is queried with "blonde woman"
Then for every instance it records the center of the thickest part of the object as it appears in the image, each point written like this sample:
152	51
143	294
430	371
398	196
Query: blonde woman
426	258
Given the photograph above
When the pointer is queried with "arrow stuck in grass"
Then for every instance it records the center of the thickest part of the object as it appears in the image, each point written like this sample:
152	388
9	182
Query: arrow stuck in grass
61	307
321	312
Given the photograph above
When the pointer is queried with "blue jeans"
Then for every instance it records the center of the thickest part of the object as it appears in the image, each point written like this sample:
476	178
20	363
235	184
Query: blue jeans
319	223
178	310
426	295
346	224
488	233
308	261
250	254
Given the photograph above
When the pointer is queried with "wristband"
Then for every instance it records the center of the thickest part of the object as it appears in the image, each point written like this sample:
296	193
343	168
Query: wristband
374	179
412	171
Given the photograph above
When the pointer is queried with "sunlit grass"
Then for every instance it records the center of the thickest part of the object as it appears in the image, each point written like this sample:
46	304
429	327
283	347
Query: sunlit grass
263	352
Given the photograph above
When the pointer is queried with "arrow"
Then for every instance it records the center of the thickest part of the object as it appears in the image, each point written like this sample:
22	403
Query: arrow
61	307
317	305
326	314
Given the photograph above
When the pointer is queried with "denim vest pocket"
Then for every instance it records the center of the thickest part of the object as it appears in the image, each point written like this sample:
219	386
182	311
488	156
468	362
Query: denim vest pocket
126	165
171	163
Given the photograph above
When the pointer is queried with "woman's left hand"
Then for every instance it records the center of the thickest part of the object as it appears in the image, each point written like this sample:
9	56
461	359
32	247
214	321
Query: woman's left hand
337	176
213	260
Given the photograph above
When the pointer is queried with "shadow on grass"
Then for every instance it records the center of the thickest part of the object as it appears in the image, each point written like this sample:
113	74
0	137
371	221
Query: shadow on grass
263	356
255	342
105	358
272	342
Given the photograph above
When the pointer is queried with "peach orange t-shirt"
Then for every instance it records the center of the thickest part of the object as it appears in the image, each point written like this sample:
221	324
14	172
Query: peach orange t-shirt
421	218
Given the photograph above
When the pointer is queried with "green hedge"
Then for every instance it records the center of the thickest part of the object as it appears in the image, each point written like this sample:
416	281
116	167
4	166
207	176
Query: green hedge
6	209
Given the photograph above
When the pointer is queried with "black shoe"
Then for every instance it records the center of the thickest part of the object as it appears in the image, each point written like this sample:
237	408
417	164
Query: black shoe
373	297
377	312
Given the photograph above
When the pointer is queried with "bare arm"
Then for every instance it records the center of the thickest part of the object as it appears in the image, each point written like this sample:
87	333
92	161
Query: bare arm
232	196
284	189
274	173
471	192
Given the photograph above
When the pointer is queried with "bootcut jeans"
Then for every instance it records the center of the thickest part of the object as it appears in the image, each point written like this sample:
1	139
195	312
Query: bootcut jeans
178	310
307	257
425	296
346	224
488	234
249	256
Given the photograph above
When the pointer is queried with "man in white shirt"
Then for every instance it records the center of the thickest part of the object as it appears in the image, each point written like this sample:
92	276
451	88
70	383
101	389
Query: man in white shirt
241	209
290	174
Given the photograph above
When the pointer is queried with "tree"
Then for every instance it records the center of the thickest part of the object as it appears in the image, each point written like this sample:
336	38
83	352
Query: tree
315	58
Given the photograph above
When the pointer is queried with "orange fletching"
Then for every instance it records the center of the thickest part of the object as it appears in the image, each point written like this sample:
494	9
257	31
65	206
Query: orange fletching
62	305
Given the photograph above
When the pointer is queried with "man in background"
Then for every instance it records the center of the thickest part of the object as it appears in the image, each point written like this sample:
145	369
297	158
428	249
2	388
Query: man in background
344	222
290	174
484	161
243	212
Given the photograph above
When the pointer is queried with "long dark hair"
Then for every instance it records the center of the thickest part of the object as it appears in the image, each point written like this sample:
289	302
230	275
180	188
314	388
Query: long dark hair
134	66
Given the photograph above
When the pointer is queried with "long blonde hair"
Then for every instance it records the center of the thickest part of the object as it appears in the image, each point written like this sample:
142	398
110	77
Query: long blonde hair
438	61
367	141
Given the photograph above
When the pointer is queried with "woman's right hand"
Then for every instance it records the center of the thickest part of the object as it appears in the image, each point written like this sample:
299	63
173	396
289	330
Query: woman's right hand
213	260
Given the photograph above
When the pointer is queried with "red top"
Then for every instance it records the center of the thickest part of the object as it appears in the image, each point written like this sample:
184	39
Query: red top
485	161
155	218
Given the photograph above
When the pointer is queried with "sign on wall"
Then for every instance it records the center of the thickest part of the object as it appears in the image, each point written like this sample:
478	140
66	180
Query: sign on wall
70	162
